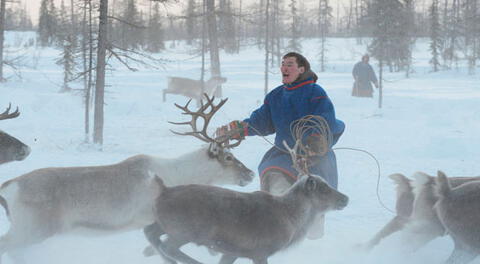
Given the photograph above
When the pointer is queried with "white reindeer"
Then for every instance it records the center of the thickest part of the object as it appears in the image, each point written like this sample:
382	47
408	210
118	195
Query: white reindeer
111	198
192	88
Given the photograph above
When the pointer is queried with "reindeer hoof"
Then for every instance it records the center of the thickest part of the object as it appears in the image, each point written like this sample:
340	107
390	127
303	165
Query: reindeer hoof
149	251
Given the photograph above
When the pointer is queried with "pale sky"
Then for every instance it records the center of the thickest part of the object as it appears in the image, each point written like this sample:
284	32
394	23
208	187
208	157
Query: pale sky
33	6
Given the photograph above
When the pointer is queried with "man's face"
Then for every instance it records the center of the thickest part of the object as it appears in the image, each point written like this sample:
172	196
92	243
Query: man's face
365	59
290	70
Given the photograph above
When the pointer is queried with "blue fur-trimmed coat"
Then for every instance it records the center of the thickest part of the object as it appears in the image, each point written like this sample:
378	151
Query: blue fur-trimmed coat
281	107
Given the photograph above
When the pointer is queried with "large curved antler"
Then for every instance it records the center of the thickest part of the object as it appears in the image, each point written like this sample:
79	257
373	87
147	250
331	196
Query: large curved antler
206	111
7	115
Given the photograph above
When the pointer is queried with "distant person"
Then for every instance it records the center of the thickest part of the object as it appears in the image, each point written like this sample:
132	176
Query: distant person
364	76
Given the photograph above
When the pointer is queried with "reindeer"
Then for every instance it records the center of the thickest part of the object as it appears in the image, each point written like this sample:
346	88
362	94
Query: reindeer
415	213
192	88
458	209
11	149
249	225
111	198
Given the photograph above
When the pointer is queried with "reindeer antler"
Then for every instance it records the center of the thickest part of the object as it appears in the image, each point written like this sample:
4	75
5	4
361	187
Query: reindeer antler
206	111
7	115
299	162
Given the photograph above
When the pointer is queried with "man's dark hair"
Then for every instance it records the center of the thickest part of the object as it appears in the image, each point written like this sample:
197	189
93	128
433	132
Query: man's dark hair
301	60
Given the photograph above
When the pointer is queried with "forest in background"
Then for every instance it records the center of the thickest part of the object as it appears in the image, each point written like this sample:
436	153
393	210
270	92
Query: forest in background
92	33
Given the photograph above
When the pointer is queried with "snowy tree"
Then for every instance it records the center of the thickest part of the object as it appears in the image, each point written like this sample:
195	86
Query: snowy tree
17	18
392	35
276	36
100	73
294	40
267	41
190	21
435	37
452	26
324	16
472	33
130	26
213	42
155	32
3	4
67	61
226	27
47	26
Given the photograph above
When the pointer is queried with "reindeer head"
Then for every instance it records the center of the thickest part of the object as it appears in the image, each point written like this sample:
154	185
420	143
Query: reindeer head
324	198
11	148
219	149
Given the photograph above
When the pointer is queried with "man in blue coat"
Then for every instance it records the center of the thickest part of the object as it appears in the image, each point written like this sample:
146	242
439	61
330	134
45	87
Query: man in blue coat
297	97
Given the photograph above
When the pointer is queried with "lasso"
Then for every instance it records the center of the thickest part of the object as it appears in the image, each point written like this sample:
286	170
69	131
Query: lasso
314	124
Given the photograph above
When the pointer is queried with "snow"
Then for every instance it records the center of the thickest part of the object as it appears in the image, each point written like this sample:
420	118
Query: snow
428	122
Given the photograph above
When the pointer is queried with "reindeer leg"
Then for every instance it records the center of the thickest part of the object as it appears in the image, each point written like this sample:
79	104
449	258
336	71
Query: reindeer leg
260	261
227	259
171	248
460	255
152	233
32	228
397	223
14	243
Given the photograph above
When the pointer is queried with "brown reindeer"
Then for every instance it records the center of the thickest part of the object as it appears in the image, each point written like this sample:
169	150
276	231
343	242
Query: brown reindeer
192	88
11	149
238	225
415	214
458	209
111	198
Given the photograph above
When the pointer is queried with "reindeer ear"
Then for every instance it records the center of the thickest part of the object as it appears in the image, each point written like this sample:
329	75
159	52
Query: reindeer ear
310	184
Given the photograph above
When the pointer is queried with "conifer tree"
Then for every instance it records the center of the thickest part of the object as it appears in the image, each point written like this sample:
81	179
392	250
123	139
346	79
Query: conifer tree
435	41
67	61
324	16
47	23
294	41
226	27
190	21
155	31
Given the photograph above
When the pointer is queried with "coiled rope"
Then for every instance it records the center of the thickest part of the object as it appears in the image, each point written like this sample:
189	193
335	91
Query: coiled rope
318	125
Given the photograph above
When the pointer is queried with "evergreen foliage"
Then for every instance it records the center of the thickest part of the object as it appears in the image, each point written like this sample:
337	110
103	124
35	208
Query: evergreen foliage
47	24
392	35
435	36
155	32
294	40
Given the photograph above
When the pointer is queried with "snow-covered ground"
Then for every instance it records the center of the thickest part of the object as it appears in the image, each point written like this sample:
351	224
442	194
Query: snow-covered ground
428	122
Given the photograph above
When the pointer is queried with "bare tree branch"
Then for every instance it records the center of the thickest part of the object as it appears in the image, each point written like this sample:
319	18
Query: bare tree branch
127	23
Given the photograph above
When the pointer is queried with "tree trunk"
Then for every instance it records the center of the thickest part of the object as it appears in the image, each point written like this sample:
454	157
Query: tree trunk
87	46
204	47
213	43
100	83
2	36
267	41
380	84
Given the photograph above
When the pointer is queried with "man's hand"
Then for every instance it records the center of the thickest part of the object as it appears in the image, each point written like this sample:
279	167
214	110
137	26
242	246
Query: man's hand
376	84
233	130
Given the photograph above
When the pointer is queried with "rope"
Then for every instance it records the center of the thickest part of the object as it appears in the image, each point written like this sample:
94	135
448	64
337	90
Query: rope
308	125
378	174
318	124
